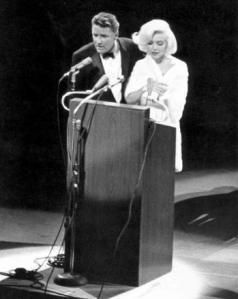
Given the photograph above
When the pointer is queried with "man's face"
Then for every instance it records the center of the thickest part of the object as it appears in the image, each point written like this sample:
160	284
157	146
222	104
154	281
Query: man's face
103	38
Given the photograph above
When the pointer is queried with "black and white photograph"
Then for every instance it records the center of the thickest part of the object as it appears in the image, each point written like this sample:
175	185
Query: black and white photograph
118	149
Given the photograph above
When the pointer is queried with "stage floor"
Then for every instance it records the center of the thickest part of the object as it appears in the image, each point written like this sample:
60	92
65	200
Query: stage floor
205	256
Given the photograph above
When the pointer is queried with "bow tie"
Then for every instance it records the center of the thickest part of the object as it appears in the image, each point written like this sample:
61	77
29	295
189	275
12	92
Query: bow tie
108	54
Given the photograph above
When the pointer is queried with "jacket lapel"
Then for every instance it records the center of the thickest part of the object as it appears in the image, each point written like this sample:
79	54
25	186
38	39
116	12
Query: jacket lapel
124	59
98	72
98	64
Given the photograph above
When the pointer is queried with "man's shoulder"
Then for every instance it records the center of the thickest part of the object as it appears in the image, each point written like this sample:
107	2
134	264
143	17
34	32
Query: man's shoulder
125	41
130	47
84	51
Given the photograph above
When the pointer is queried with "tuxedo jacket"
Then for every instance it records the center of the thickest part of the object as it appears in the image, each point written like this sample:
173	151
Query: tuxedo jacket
91	73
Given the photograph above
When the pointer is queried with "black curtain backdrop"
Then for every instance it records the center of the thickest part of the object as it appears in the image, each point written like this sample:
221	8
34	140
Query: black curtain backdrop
37	40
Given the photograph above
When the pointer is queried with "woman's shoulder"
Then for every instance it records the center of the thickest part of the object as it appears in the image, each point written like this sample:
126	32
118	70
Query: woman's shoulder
177	61
179	64
142	61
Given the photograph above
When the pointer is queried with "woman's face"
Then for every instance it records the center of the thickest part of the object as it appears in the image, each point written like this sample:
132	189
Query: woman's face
157	46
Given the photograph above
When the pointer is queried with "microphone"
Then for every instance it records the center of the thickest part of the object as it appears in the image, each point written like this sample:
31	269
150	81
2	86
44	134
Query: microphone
101	82
149	85
119	80
75	68
81	64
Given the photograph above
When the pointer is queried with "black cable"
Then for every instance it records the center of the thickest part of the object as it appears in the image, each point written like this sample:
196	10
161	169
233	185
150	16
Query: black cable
59	123
123	230
53	245
51	249
135	190
61	245
69	160
23	274
82	133
33	275
64	160
64	155
93	111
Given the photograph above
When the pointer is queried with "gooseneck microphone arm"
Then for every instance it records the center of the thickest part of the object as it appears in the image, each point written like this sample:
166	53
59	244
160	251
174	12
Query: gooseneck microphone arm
99	91
100	83
103	89
91	93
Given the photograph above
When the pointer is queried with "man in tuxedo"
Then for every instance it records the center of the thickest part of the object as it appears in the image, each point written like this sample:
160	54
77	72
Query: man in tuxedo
111	55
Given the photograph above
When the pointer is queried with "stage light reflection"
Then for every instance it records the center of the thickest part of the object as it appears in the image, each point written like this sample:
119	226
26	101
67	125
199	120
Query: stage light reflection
183	282
25	257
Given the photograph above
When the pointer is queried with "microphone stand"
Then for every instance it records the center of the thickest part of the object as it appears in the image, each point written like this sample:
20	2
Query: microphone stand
75	186
73	79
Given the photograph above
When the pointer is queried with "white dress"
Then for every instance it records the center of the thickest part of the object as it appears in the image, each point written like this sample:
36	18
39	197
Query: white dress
177	80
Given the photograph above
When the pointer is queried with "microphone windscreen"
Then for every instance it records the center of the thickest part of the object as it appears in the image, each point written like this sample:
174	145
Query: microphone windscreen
101	82
81	64
86	61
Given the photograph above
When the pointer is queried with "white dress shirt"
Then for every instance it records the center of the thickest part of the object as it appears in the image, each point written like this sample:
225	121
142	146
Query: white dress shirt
112	68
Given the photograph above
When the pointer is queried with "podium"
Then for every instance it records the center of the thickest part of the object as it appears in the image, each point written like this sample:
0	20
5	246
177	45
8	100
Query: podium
123	219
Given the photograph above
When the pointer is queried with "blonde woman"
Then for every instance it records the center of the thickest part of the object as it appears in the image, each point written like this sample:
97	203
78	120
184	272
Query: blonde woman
160	80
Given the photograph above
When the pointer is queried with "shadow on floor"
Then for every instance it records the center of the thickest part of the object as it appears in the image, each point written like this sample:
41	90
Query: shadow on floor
214	215
220	293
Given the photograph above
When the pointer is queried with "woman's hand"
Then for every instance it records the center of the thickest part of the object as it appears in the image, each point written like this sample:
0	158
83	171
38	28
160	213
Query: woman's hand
159	88
155	89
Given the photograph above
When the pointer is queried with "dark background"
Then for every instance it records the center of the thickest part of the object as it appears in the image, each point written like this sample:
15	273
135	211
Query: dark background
37	40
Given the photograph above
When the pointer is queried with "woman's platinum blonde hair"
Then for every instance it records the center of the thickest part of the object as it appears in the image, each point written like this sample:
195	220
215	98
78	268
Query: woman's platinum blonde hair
147	31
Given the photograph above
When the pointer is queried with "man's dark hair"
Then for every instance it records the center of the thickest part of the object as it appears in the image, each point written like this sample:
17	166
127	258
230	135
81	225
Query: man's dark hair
104	19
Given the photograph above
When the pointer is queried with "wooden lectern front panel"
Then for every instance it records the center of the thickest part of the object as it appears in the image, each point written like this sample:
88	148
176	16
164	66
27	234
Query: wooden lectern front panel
113	155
